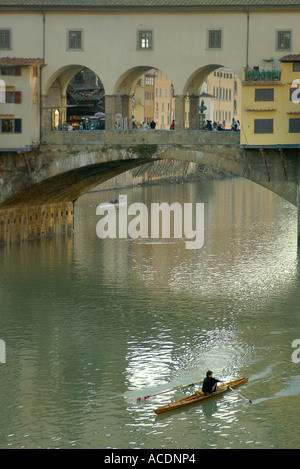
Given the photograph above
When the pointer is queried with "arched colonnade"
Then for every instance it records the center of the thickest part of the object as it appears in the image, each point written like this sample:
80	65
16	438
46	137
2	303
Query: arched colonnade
119	92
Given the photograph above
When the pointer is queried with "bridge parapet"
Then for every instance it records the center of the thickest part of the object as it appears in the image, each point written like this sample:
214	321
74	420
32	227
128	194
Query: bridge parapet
138	136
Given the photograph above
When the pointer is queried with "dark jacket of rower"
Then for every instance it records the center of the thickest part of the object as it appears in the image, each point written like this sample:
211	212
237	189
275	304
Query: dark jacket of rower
209	384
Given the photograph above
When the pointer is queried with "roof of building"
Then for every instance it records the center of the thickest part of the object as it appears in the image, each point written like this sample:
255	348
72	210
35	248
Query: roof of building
144	3
18	62
291	58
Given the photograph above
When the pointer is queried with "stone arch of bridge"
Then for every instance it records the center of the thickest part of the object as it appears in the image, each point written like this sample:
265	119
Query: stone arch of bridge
70	174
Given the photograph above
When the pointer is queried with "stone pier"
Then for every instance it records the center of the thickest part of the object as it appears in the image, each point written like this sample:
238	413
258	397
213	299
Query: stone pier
25	223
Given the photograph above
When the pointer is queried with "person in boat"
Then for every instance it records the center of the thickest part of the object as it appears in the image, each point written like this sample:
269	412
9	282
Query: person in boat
209	383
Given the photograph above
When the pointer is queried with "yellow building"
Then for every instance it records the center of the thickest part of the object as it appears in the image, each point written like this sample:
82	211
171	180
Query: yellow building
271	106
225	86
149	96
164	101
20	103
139	102
154	100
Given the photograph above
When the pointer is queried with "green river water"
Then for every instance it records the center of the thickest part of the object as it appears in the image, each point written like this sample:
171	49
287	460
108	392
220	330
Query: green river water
89	325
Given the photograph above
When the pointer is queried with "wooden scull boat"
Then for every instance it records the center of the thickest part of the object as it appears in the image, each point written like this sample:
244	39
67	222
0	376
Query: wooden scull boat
199	396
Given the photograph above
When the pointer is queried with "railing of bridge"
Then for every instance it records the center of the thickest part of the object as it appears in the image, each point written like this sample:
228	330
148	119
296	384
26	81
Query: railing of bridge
141	136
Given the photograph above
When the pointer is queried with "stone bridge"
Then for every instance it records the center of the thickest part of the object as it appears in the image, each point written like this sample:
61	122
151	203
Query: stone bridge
68	164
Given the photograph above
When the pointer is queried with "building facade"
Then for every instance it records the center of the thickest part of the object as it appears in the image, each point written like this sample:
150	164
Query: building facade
164	102
120	41
149	96
271	106
20	103
225	86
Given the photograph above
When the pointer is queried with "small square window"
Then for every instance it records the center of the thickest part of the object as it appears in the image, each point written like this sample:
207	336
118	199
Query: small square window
263	126
75	40
264	94
294	125
214	39
7	125
296	66
5	39
284	40
144	40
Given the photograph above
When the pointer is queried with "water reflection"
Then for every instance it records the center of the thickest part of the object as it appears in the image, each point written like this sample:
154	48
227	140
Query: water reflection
90	325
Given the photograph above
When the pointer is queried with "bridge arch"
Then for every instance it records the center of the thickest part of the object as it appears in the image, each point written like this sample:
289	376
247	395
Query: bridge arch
193	92
126	82
196	79
156	82
54	98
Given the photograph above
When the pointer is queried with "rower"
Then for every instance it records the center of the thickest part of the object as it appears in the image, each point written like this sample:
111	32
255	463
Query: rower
209	383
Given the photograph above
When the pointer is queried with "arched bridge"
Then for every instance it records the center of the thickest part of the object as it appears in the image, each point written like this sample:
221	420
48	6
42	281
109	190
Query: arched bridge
68	164
38	188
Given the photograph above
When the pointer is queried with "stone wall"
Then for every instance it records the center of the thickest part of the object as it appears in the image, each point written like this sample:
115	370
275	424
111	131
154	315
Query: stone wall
19	224
149	173
141	136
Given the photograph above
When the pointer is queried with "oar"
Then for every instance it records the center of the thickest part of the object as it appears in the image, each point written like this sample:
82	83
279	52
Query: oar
245	398
169	390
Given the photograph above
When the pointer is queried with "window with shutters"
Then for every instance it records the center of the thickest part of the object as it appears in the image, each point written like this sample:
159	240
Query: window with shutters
10	126
17	126
294	125
284	40
17	71
75	40
264	94
13	97
144	40
6	71
296	66
263	126
214	39
5	39
11	71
